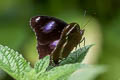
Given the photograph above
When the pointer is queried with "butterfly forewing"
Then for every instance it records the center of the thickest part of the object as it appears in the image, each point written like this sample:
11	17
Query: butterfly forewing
70	38
48	30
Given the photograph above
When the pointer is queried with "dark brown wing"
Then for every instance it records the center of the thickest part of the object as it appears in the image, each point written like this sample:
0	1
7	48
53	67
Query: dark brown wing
70	38
48	31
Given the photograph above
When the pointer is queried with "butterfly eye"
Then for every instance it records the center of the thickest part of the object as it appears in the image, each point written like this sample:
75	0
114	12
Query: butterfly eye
82	32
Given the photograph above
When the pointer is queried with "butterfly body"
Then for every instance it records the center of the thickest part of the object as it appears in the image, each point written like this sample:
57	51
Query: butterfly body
55	37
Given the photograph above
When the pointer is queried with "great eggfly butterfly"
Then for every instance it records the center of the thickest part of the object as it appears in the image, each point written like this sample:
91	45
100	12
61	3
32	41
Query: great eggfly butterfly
55	37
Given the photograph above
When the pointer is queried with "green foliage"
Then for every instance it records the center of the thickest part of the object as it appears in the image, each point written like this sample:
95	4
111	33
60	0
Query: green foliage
87	73
12	62
65	70
16	66
76	56
42	65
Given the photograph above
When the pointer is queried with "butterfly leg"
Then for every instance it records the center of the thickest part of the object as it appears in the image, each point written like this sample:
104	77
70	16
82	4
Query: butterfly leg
80	47
83	40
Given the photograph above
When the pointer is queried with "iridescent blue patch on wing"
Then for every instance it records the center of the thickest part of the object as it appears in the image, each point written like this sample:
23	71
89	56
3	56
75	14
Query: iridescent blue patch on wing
54	44
49	27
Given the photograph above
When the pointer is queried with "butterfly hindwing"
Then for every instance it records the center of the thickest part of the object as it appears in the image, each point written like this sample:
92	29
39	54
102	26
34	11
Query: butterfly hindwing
70	38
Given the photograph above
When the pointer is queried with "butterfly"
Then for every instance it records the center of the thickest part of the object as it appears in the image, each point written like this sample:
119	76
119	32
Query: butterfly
55	37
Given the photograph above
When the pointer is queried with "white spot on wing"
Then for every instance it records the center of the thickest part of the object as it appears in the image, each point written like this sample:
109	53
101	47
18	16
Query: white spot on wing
37	19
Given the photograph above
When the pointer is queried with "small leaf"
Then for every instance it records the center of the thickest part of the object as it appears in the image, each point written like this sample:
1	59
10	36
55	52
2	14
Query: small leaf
12	62
62	72
76	56
87	73
42	65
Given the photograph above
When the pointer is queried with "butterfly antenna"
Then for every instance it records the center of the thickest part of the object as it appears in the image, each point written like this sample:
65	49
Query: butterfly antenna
87	23
84	16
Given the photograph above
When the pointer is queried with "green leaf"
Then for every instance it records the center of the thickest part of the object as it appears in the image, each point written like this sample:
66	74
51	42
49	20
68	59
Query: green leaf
76	56
42	65
87	73
12	62
30	75
62	72
16	66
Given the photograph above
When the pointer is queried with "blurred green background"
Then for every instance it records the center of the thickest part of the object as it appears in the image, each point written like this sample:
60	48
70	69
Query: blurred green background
16	33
